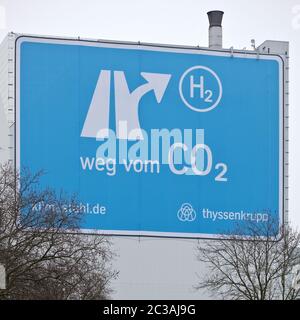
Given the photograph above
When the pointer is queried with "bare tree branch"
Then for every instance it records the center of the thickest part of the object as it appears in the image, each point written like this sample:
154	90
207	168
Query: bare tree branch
255	267
45	255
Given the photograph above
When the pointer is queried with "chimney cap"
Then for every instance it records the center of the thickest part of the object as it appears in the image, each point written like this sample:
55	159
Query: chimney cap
215	18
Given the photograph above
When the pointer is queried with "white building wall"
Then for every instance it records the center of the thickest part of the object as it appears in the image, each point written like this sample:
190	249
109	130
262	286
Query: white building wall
153	268
7	98
3	135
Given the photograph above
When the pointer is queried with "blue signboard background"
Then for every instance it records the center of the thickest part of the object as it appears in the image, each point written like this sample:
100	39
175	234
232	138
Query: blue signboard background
56	85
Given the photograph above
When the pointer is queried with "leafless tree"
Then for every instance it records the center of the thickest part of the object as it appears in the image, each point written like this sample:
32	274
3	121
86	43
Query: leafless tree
41	247
258	266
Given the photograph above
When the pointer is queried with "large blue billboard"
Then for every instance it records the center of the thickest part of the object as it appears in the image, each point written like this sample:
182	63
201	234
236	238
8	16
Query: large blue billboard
154	140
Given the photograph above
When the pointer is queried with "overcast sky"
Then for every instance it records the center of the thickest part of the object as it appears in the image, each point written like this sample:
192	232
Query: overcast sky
173	22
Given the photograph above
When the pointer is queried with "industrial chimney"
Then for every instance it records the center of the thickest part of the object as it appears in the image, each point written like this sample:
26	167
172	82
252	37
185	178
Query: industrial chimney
215	29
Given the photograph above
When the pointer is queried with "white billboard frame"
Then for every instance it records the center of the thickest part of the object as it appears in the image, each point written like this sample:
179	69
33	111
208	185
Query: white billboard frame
246	54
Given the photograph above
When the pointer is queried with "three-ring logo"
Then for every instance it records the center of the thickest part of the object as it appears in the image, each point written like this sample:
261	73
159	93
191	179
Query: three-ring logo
186	213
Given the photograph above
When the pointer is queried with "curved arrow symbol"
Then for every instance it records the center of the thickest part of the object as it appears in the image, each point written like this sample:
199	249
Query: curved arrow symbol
157	82
96	124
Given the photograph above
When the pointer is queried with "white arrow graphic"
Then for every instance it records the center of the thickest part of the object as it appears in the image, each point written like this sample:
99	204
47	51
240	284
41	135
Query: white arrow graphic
157	82
97	120
127	103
